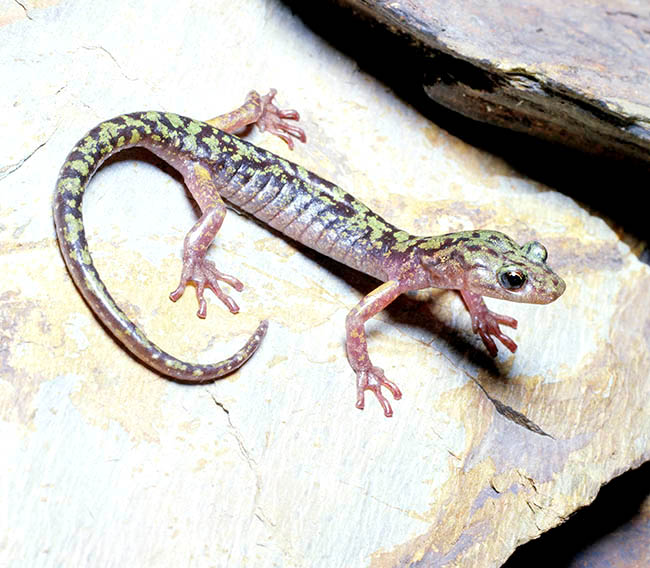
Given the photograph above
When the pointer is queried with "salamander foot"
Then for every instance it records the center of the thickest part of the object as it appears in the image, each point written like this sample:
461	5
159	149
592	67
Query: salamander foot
274	119
373	379
204	274
486	324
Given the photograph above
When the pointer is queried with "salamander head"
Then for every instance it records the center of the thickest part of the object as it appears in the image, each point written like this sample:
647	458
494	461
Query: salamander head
491	264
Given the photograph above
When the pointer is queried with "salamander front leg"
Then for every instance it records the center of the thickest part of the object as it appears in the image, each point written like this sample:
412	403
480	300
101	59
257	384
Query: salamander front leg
486	323
370	377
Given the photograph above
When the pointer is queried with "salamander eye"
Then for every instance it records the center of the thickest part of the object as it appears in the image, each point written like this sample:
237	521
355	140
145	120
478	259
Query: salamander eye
535	251
512	279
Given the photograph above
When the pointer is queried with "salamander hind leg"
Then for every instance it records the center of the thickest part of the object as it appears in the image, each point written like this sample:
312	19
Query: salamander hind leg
204	274
197	270
260	109
274	120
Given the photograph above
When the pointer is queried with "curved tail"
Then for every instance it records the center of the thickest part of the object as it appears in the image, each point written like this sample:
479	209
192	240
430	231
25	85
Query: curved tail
83	161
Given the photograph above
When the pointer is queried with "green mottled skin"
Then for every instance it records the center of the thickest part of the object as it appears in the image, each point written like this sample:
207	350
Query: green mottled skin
216	164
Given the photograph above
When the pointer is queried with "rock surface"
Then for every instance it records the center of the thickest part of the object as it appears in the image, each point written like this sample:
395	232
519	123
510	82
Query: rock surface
573	72
109	463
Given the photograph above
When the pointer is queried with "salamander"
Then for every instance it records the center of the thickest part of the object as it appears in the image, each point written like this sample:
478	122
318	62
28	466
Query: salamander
216	165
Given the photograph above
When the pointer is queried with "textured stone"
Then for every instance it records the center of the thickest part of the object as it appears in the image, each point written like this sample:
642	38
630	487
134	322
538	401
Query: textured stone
110	464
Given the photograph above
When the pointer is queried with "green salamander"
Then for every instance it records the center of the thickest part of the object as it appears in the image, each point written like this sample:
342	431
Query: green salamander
215	164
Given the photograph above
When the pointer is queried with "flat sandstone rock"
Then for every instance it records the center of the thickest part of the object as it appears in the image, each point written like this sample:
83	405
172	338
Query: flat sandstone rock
110	464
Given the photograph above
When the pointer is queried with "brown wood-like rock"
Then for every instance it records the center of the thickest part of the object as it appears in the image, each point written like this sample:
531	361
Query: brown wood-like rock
573	72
